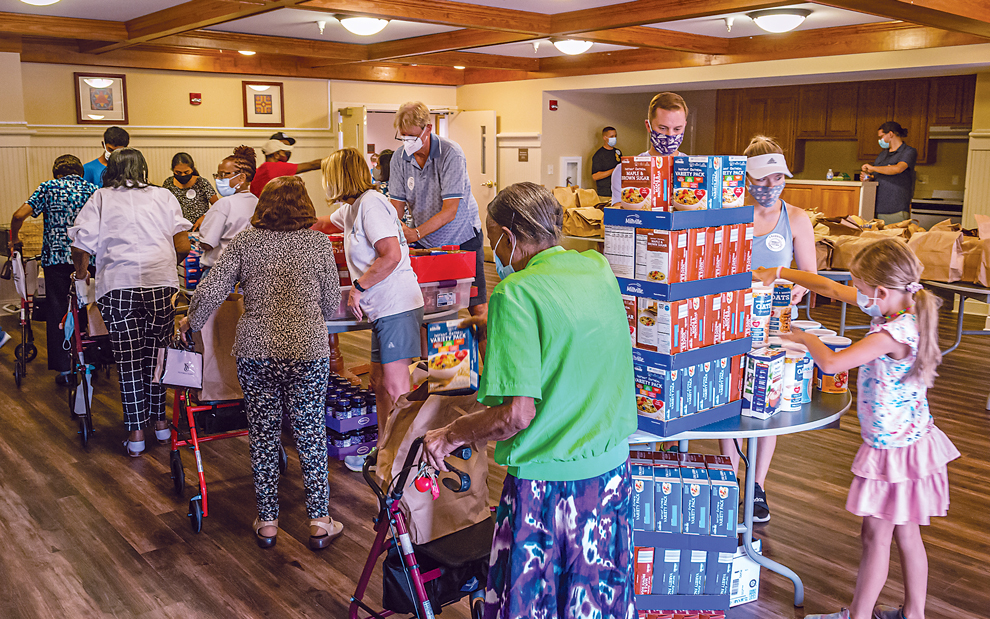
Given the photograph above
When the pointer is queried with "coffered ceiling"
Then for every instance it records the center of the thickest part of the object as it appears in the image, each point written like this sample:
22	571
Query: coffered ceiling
492	39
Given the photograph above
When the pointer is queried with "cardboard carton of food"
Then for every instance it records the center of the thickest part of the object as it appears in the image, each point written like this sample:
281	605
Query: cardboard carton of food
629	302
641	472
620	250
643	571
697	259
663	256
692	578
724	502
727	187
718	573
452	358
764	382
696	504
656	392
715	250
645	183
666	571
733	243
689	189
668	495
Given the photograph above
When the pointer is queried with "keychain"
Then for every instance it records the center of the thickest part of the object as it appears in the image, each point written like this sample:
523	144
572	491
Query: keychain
426	480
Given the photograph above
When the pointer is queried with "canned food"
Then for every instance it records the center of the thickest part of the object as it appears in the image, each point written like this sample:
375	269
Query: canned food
838	382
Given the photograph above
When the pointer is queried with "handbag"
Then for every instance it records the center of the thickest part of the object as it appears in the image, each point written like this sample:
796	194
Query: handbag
179	366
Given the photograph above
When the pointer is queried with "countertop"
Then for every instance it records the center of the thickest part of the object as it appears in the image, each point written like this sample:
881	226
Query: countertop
797	181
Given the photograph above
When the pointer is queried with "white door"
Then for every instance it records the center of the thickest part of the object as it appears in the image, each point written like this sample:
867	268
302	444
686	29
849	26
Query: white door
352	128
475	133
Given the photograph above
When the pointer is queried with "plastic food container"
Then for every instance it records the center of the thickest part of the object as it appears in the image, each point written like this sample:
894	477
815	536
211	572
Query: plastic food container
446	295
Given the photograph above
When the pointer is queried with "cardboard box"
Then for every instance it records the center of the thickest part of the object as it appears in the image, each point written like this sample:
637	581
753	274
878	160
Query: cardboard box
667	488
632	315
745	315
656	392
715	250
722	381
714	328
690	391
641	471
620	250
728	189
645	183
662	326
746	248
730	311
706	388
697	500
643	570
693	566
745	586
716	463
666	571
738	377
698	259
691	460
689	189
718	573
724	504
453	358
663	256
733	245
764	382
697	314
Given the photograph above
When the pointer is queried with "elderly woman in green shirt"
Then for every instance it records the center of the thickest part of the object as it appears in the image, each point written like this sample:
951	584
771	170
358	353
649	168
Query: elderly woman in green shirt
558	384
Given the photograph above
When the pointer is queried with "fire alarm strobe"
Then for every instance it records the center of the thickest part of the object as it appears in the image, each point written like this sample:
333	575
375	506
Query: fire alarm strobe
195	98
553	105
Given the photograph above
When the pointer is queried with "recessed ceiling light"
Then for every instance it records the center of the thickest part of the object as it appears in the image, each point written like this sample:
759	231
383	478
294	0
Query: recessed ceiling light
362	26
41	3
258	88
98	82
458	67
572	47
779	20
246	52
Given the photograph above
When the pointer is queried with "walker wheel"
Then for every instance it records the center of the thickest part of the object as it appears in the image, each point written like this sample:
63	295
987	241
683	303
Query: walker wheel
196	514
84	431
32	352
17	372
178	474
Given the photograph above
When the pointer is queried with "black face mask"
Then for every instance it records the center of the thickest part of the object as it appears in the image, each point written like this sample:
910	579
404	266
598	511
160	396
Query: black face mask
183	178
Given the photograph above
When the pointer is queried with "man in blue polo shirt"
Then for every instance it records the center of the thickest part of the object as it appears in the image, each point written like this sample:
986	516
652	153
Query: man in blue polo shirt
429	177
113	138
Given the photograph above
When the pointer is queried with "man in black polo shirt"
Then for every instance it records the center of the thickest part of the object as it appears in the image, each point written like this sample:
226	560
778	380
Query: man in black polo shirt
604	161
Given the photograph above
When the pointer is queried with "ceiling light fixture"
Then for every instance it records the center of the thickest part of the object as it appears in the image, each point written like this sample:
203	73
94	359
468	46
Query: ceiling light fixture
362	26
572	47
245	52
779	20
322	25
98	82
728	23
536	47
41	3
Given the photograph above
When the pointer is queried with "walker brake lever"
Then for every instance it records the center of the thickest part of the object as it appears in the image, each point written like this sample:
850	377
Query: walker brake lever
463	452
465	479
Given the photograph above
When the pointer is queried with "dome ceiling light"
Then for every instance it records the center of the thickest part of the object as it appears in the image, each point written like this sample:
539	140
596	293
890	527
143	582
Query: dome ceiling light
779	20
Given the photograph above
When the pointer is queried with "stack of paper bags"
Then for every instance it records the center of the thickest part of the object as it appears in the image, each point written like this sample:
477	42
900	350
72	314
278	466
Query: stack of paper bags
940	251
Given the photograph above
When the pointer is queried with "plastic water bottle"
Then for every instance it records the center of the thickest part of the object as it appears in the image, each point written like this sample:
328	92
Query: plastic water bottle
829	175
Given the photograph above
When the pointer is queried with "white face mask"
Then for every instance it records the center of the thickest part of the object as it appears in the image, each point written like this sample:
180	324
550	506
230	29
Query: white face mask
412	144
107	152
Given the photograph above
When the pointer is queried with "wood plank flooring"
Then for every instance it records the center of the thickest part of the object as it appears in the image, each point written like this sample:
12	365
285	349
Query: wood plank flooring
91	533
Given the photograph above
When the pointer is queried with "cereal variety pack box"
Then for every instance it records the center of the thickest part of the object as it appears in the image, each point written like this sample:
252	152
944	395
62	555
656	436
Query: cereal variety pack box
453	358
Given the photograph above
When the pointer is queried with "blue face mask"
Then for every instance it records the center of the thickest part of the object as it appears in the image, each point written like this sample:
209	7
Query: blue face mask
503	270
765	196
224	188
70	326
611	141
884	143
864	303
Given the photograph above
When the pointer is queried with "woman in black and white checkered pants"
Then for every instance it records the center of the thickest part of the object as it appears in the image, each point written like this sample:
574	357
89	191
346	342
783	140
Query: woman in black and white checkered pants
137	234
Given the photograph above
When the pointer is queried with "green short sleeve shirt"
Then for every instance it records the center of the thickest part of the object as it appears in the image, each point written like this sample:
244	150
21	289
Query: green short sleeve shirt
557	332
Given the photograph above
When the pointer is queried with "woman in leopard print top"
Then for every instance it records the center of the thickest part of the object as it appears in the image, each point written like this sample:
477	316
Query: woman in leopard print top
291	288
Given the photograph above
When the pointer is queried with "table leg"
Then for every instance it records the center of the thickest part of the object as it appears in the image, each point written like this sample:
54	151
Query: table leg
771	565
337	361
842	319
959	323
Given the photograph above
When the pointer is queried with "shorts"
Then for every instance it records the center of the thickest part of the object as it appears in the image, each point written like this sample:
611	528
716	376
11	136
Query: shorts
397	337
893	218
477	246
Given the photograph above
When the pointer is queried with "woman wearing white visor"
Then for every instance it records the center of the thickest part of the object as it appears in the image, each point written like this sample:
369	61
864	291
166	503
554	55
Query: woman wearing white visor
782	235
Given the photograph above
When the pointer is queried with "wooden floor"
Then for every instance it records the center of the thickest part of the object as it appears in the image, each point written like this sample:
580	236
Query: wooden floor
91	533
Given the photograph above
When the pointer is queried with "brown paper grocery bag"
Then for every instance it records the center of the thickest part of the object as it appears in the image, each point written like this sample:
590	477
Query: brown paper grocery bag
216	342
566	196
940	252
96	326
412	418
846	247
583	221
587	197
972	249
823	253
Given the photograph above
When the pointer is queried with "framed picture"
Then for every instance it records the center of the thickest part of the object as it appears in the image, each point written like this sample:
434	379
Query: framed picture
101	99
263	104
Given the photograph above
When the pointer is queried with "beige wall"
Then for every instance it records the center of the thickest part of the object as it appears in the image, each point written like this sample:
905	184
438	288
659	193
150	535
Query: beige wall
12	94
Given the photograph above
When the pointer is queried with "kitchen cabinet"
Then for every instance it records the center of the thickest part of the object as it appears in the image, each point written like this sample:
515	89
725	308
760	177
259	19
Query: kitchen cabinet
903	101
842	110
827	111
911	110
743	113
833	198
812	111
950	100
875	106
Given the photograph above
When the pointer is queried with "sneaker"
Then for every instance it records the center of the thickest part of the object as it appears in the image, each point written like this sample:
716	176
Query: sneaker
761	509
354	463
62	378
842	614
887	612
4	338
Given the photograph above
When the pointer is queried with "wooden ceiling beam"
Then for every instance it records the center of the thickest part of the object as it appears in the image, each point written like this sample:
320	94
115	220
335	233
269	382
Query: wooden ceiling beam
231	41
473	60
442	12
62	27
968	16
655	38
453	41
644	12
621	61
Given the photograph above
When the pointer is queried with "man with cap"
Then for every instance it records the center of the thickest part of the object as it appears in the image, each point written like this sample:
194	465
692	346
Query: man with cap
277	153
281	137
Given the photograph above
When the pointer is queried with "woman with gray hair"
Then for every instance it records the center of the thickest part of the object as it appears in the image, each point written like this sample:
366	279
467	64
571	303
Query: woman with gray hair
558	383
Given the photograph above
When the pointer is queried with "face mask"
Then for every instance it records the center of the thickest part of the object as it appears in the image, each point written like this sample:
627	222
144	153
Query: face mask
765	196
376	174
69	327
884	143
183	178
864	303
107	153
224	188
611	141
411	144
665	144
502	269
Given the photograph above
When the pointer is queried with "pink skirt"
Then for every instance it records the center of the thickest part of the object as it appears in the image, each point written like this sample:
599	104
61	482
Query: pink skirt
904	485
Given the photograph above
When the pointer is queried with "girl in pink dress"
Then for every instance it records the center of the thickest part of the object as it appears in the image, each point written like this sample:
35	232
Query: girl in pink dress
900	470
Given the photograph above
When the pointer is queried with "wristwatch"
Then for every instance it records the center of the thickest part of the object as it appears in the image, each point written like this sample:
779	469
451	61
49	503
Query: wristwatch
359	286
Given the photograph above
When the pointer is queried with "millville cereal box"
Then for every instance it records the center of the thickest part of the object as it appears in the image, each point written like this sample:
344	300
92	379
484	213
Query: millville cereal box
646	183
690	390
725	501
746	247
697	258
697	314
663	256
641	471
689	189
453	358
715	250
667	492
713	324
738	377
764	382
620	250
693	564
656	392
643	579
718	573
723	380
629	302
696	490
728	181
666	571
662	326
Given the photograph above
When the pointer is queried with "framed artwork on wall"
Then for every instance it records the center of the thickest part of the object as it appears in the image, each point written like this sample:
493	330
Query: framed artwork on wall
101	99
263	104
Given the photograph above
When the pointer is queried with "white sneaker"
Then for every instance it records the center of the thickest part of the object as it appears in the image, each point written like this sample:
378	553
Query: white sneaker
4	338
354	463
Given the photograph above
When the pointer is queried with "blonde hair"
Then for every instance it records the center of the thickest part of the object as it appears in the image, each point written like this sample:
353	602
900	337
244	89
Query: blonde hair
670	101
762	145
889	263
345	175
412	114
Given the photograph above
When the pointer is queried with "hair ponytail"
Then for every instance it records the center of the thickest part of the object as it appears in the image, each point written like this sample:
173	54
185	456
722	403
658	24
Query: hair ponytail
926	307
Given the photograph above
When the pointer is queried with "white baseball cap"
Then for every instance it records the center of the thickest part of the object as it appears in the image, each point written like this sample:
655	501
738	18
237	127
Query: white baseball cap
762	166
273	146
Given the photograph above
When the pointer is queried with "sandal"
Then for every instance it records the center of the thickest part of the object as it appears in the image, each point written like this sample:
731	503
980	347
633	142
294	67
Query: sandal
163	435
265	541
134	449
332	528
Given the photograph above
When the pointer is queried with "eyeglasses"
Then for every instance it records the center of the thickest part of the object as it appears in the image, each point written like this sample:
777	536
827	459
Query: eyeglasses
224	175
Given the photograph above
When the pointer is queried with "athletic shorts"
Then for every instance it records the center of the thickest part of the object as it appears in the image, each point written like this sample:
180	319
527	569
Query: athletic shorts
397	337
